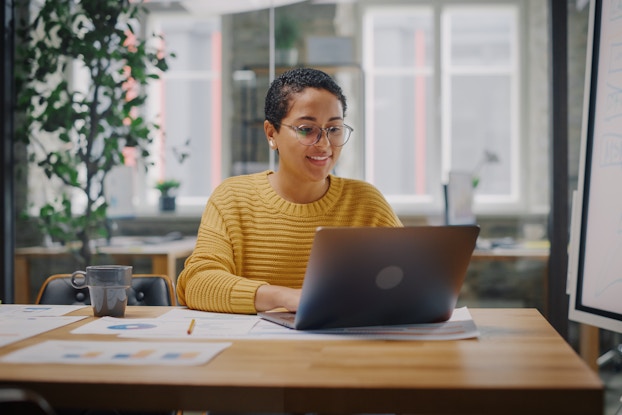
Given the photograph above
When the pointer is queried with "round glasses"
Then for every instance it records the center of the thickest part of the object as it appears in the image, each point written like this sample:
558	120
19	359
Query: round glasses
309	135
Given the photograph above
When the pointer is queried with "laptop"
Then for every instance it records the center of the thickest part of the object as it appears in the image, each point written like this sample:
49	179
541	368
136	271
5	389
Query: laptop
375	276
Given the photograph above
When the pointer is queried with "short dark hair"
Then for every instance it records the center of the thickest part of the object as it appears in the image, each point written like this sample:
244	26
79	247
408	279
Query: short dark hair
292	82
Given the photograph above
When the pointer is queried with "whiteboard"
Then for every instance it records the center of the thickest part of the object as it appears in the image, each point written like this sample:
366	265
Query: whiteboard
595	255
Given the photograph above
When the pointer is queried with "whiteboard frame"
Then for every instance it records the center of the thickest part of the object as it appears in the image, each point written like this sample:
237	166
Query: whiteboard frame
577	311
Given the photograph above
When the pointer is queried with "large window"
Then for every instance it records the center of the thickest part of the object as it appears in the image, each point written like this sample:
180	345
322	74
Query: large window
438	86
187	103
442	94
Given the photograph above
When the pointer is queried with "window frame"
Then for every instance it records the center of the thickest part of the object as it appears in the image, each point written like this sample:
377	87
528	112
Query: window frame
156	107
518	199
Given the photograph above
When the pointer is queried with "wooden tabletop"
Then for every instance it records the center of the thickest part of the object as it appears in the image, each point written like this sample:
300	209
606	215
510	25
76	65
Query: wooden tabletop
519	365
513	254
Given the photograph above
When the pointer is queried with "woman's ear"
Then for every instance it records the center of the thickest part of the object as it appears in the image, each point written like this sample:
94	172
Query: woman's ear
270	131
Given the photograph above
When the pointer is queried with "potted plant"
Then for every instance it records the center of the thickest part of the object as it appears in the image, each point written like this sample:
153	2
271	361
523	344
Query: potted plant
76	133
286	34
487	157
167	194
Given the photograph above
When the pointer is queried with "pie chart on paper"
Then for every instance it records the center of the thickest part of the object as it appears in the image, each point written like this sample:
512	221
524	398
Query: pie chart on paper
132	326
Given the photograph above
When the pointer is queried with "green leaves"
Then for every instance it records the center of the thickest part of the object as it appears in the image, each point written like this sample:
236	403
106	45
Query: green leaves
166	186
81	73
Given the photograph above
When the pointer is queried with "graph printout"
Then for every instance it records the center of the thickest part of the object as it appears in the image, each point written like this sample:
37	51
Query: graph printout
117	353
17	327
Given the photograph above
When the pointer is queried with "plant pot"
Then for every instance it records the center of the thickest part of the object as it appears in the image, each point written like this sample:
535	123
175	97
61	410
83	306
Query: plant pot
286	57
167	203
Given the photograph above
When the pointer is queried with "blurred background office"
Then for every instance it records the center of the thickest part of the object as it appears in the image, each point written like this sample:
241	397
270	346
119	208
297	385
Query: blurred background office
433	87
488	88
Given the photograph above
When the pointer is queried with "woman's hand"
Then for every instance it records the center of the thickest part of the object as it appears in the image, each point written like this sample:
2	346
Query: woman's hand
269	297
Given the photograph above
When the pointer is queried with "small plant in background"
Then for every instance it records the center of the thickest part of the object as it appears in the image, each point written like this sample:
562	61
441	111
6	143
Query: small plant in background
167	195
487	158
286	32
181	153
167	186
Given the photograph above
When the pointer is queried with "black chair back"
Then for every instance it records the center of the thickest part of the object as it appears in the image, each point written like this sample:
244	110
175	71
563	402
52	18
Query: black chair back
146	290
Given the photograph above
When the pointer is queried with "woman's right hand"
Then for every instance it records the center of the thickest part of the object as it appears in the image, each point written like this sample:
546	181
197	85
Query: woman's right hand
269	297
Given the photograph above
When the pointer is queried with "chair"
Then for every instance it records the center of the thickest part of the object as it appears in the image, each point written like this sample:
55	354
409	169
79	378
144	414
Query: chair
146	290
17	401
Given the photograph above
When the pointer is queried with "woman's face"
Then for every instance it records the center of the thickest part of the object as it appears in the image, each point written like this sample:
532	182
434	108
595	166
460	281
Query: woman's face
311	107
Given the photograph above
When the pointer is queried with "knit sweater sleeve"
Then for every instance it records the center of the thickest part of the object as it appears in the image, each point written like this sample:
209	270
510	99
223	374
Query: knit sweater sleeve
208	281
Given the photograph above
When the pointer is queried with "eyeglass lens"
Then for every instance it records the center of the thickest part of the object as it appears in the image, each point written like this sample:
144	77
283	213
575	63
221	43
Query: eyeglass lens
311	134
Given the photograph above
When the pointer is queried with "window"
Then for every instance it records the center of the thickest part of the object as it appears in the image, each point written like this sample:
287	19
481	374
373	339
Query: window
187	103
442	94
443	86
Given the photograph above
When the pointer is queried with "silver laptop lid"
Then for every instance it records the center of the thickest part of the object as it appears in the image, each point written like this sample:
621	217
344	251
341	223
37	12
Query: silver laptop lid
367	276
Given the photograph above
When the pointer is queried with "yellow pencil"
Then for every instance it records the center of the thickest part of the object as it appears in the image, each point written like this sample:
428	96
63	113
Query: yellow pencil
191	326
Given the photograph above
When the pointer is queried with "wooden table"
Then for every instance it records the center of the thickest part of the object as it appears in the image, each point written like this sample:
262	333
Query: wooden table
516	254
511	254
519	365
163	256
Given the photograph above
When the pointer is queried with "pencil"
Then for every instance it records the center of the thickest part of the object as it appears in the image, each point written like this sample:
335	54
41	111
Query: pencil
191	326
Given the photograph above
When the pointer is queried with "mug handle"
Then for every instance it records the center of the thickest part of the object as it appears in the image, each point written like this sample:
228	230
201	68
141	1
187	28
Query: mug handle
80	281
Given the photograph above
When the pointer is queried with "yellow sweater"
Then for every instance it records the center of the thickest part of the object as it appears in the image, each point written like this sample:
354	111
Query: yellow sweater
250	236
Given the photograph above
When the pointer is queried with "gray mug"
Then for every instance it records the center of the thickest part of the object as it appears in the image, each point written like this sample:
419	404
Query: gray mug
107	286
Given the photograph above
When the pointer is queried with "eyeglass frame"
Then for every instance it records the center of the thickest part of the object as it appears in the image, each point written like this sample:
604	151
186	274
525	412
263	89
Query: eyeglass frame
319	136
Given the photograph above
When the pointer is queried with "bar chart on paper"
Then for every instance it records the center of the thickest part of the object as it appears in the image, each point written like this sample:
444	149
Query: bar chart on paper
120	353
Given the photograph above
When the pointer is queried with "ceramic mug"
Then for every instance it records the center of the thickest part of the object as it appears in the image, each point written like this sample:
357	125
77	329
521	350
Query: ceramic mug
107	286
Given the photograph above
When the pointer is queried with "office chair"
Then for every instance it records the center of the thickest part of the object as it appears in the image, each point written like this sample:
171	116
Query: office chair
17	401
146	290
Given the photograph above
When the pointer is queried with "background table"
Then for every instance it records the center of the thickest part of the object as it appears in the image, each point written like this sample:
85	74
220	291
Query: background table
519	365
511	254
163	256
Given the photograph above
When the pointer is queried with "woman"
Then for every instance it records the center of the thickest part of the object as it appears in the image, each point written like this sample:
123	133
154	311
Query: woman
256	231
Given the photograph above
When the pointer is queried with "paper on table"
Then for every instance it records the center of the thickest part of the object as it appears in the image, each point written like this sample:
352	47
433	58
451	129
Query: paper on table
174	324
117	353
207	325
459	326
17	327
29	310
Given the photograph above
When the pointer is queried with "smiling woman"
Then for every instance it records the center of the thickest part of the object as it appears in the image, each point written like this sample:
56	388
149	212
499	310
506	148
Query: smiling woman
255	237
304	165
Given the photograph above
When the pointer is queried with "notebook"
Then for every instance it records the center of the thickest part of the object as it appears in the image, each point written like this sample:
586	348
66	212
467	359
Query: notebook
373	276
